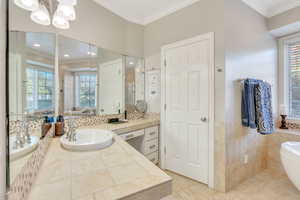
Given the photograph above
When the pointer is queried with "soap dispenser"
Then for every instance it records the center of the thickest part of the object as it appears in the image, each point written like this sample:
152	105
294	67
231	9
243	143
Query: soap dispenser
45	127
59	126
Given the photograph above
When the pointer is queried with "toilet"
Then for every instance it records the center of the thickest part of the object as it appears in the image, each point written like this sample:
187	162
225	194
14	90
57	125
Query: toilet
290	158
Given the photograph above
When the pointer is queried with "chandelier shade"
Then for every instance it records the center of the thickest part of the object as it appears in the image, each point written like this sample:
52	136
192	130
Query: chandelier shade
60	12
60	22
41	16
29	5
67	11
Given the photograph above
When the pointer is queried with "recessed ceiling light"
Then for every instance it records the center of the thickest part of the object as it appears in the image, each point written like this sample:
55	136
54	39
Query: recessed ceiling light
66	55
91	53
36	45
131	63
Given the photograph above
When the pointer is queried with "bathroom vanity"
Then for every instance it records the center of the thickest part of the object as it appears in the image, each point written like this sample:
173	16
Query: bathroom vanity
87	85
116	172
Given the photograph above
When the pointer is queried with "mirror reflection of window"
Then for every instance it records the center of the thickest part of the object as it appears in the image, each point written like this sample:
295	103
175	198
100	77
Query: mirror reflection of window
31	73
86	90
39	89
78	75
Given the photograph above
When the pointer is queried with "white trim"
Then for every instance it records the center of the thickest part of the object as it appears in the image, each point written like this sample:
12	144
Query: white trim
283	72
57	83
271	9
148	19
211	151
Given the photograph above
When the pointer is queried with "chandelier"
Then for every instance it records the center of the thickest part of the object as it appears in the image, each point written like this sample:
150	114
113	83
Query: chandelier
62	11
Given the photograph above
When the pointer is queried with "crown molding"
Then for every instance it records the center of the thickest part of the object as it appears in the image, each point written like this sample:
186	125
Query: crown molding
282	8
273	10
148	19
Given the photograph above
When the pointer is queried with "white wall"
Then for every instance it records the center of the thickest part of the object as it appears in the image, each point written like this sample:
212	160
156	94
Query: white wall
2	99
200	18
251	52
94	24
289	20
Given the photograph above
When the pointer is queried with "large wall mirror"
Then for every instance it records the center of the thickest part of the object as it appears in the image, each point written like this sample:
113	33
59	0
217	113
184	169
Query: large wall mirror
51	75
92	79
31	92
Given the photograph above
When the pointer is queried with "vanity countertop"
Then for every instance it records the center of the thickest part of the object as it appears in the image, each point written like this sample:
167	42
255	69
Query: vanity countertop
117	172
129	126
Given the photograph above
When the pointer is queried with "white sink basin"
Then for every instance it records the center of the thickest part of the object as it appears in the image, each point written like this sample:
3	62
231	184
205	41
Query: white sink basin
88	139
15	153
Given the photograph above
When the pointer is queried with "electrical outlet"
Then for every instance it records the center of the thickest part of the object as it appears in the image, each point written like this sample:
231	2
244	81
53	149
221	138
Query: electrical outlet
246	159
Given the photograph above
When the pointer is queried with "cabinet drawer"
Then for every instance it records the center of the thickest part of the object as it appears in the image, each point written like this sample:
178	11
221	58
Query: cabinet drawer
153	157
130	135
150	146
151	133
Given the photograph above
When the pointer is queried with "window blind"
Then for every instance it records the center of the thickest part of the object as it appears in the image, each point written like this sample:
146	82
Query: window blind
293	61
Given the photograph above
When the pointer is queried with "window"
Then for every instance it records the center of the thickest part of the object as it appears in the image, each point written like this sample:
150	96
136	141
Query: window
293	64
289	76
39	89
86	90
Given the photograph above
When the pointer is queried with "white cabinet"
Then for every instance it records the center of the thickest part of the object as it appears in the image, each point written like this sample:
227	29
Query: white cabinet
145	141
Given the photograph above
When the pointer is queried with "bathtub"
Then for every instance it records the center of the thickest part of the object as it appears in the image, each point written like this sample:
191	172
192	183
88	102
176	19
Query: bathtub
290	158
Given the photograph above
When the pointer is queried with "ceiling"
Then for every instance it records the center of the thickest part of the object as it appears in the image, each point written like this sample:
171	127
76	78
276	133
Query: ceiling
144	11
270	8
68	48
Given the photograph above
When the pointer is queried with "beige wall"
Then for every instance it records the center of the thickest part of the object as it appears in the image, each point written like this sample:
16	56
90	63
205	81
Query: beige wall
2	99
250	52
289	17
94	24
200	18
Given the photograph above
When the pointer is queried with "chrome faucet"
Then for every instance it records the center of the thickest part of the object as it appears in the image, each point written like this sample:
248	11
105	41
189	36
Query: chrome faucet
22	135
27	137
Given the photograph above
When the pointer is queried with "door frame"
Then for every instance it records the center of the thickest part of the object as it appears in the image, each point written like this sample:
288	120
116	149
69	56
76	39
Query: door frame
210	37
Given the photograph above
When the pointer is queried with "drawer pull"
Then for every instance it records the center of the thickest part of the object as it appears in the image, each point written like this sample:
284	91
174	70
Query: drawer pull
152	146
152	133
129	136
153	159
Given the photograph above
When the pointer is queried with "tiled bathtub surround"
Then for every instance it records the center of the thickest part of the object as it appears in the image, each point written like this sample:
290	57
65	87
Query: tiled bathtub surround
22	183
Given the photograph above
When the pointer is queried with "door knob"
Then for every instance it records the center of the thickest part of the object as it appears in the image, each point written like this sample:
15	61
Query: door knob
203	119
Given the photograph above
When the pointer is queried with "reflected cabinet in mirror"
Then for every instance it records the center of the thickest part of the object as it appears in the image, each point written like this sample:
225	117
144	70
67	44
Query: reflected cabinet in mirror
31	92
54	77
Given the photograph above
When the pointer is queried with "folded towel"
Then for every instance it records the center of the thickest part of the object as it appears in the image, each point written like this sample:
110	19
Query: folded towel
248	103
263	102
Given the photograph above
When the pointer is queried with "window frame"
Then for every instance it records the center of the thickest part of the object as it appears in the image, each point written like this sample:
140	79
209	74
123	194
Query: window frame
284	73
77	89
35	83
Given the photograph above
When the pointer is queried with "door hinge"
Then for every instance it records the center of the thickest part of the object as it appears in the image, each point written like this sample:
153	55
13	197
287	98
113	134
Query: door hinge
165	106
165	62
165	150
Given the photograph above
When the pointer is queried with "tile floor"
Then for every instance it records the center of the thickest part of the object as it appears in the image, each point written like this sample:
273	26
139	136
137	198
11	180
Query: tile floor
265	186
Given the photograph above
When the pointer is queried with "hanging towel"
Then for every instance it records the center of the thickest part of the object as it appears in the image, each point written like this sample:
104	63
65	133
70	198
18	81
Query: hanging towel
248	103
264	113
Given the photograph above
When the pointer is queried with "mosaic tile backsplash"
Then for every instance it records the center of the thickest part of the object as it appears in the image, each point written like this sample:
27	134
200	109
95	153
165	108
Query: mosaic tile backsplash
21	185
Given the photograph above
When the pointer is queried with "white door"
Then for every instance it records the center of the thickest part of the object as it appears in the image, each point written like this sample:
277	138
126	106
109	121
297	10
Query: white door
187	98
111	87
